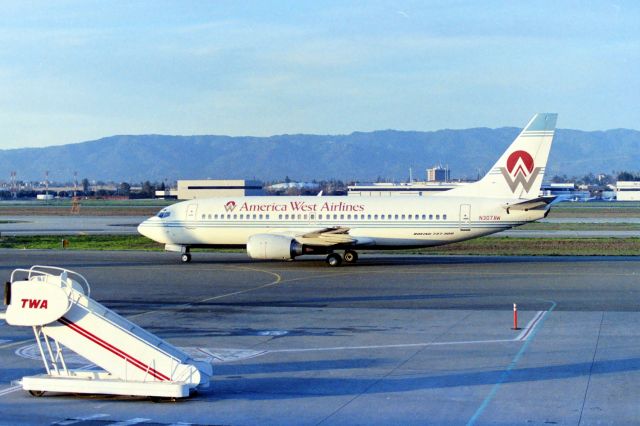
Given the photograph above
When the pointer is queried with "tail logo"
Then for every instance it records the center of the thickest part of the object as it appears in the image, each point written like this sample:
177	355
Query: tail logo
520	170
230	206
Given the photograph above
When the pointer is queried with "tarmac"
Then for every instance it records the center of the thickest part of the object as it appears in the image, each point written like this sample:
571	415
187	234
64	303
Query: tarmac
390	340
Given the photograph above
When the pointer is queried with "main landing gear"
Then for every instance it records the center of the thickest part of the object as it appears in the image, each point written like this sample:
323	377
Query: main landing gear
334	259
350	256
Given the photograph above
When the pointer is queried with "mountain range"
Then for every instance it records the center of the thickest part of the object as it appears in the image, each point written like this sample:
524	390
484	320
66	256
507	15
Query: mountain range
363	156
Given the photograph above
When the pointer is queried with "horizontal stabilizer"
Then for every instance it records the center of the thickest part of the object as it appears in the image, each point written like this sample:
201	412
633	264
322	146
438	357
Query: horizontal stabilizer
530	204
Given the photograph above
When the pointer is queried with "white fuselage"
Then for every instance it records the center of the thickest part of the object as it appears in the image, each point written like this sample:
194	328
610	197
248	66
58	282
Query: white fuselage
382	223
285	227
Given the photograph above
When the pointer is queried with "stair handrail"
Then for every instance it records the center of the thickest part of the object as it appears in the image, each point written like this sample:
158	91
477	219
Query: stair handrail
43	270
136	337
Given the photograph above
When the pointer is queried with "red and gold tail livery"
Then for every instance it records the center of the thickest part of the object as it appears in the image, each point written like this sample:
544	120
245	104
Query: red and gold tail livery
519	172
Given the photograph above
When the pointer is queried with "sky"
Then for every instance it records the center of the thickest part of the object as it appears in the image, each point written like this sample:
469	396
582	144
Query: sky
72	71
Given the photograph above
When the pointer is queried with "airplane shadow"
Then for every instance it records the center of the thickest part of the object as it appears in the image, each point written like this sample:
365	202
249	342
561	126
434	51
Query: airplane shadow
289	387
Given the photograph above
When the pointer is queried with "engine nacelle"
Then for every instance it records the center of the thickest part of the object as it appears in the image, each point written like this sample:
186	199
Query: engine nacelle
273	247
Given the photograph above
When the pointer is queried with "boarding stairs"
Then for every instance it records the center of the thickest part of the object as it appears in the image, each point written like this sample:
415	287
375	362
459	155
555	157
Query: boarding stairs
56	303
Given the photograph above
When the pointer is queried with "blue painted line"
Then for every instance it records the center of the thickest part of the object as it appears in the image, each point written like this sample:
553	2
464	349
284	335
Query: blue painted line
506	372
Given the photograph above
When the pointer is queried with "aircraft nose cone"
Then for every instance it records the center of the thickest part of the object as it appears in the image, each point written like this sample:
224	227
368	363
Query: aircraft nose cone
143	229
153	229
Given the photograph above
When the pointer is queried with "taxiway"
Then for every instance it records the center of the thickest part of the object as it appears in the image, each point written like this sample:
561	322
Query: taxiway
393	339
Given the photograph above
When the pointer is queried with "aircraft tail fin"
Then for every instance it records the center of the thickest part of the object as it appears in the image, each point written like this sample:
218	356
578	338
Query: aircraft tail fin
519	172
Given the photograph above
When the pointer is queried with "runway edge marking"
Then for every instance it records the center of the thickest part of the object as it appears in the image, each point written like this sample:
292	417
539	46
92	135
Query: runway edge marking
523	336
512	365
530	326
9	390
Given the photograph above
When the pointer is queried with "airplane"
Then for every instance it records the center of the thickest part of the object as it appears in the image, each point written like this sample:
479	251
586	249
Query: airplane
283	228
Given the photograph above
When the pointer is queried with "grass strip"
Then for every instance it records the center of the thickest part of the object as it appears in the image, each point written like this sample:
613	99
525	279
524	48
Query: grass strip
575	226
80	242
488	246
505	246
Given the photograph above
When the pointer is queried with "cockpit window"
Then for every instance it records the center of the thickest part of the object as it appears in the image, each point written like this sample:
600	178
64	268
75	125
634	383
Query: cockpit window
163	214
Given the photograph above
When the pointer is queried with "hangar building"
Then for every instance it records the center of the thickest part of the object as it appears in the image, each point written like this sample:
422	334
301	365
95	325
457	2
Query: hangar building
206	188
628	191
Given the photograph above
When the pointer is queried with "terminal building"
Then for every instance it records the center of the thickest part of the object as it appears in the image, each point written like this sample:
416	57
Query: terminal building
559	189
438	180
628	191
391	189
438	174
207	188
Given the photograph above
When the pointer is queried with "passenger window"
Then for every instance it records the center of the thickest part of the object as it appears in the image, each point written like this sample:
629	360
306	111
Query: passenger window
267	217
279	216
286	216
362	216
241	216
215	216
235	216
341	217
437	217
381	216
204	216
409	217
260	217
396	217
424	216
313	216
402	217
369	216
375	217
430	217
348	217
320	217
228	216
444	216
335	217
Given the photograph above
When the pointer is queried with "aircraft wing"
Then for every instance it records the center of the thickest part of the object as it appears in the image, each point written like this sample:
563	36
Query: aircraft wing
530	204
327	237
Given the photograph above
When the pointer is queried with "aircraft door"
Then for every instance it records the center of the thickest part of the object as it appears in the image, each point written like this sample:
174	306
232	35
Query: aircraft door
465	217
191	213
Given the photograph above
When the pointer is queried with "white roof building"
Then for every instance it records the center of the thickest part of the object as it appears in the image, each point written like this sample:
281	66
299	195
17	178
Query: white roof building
628	191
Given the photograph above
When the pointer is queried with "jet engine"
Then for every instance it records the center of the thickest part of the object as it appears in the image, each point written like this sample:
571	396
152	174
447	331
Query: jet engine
273	247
